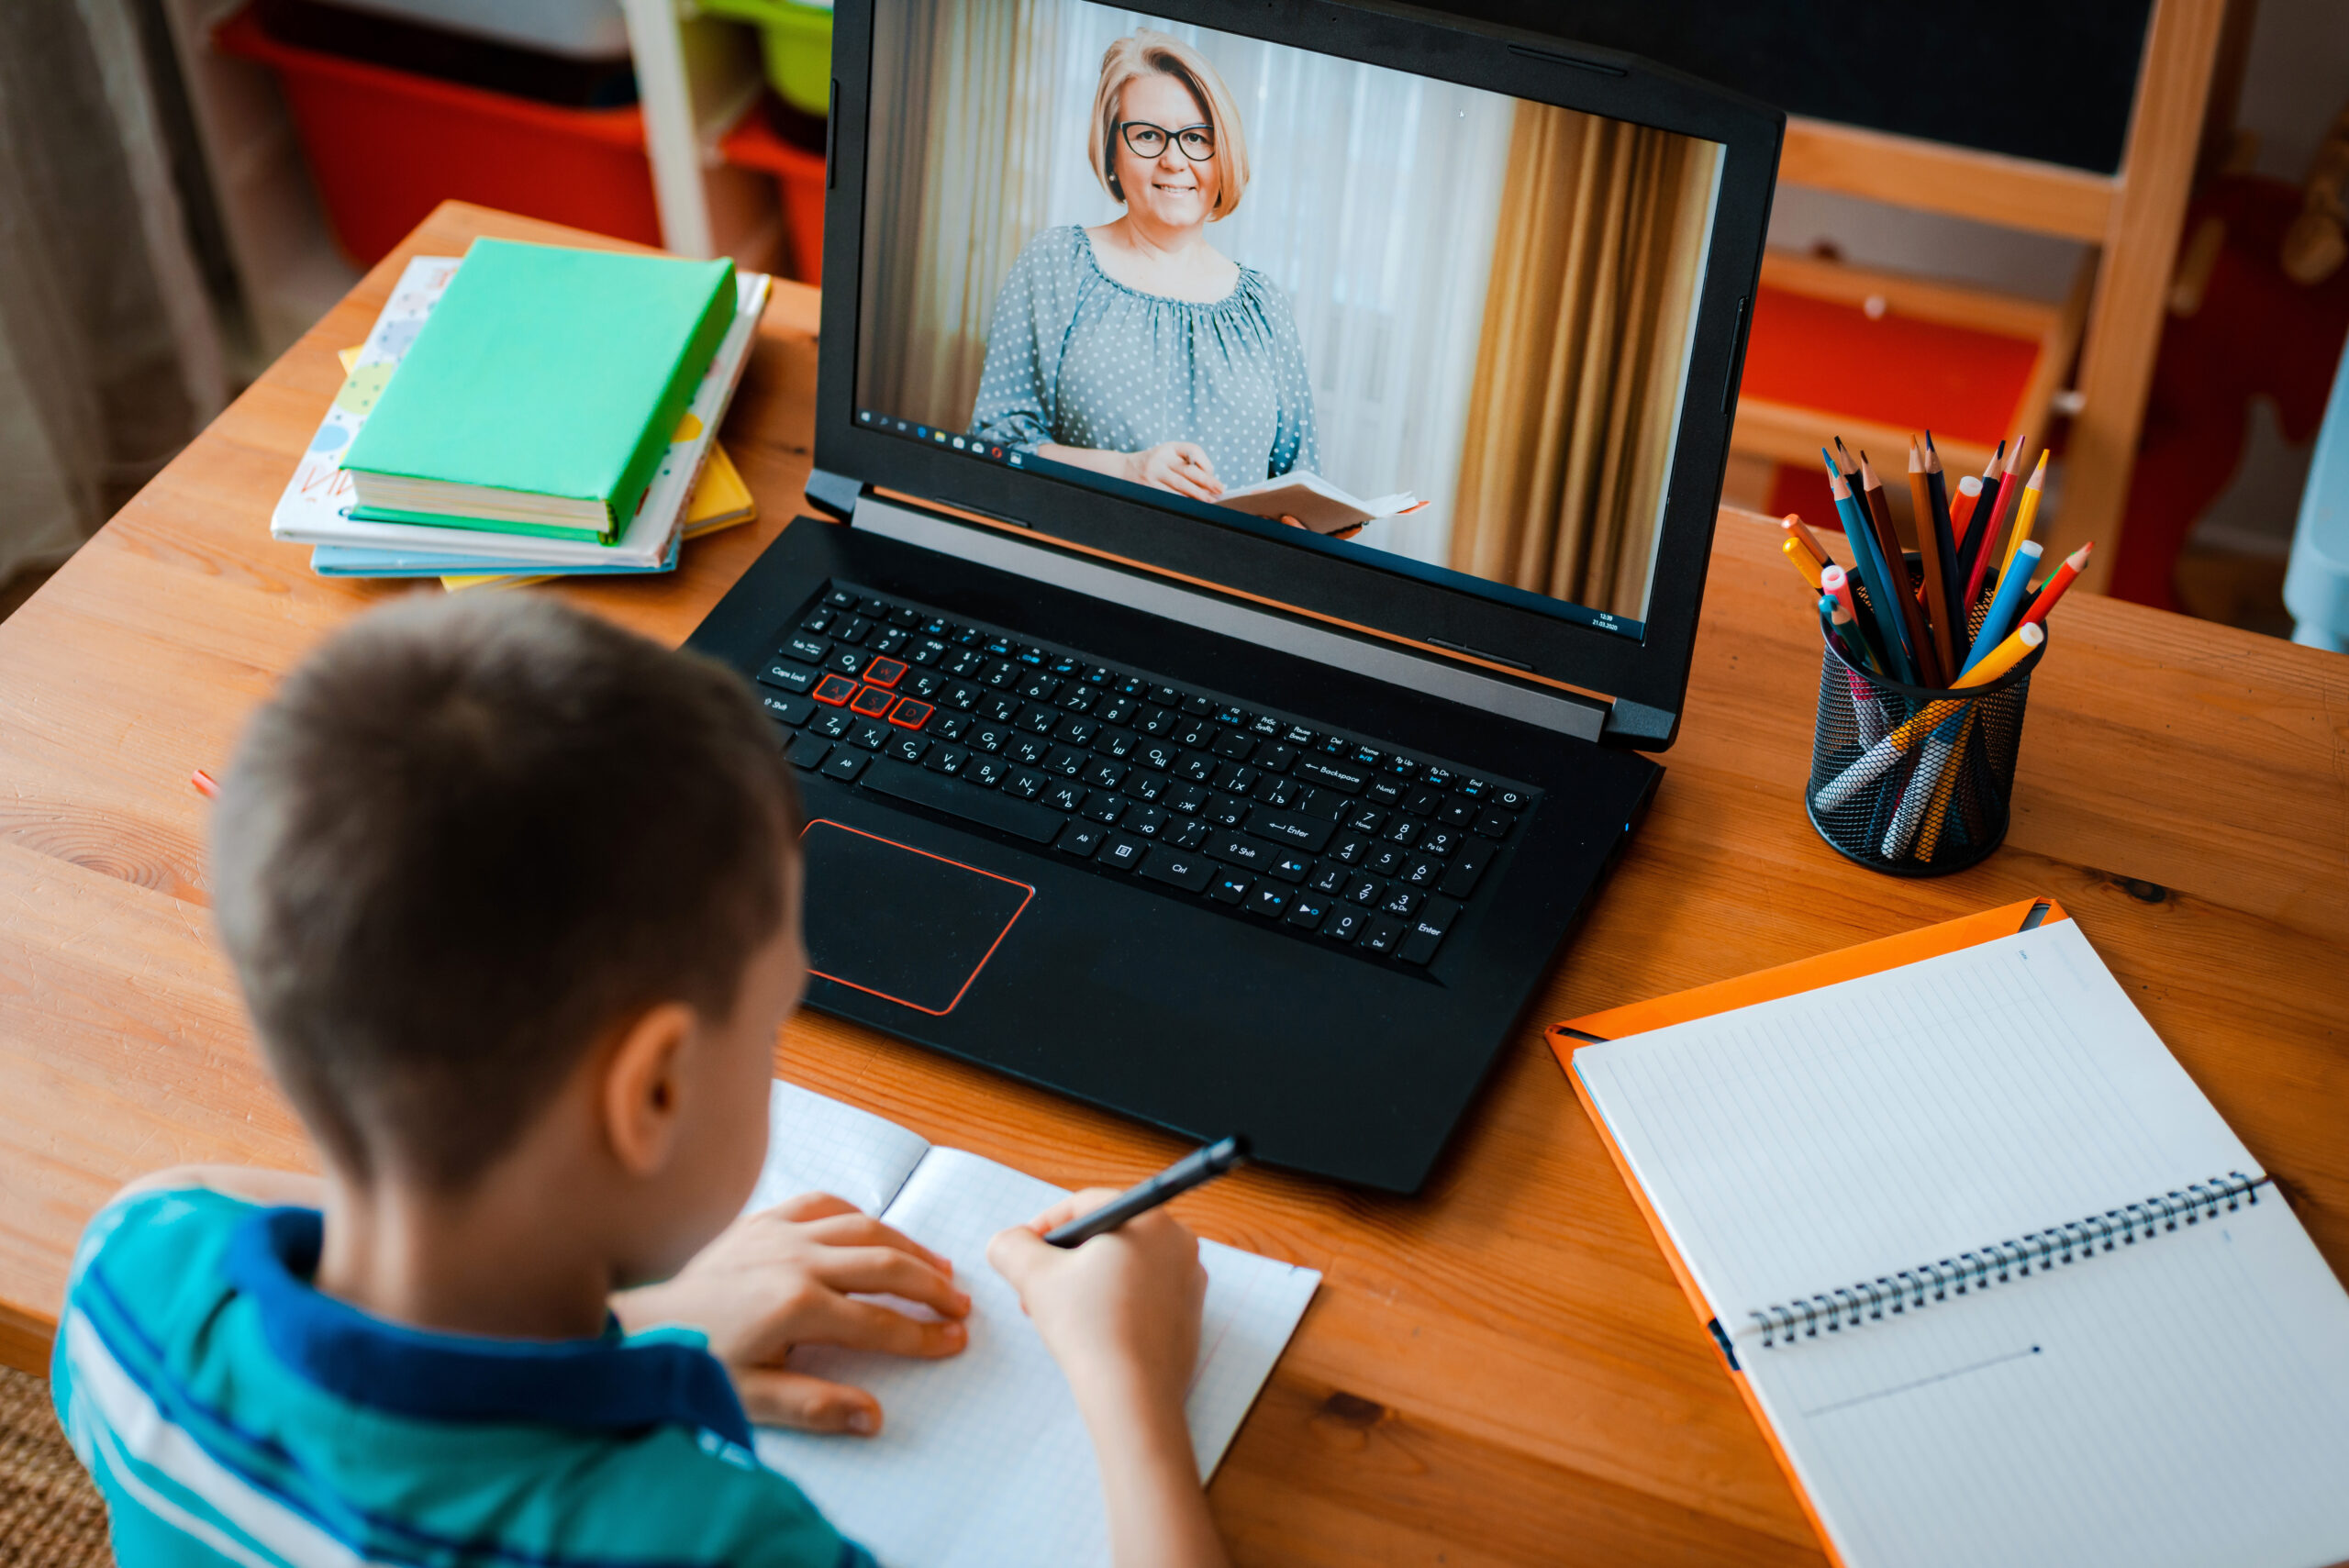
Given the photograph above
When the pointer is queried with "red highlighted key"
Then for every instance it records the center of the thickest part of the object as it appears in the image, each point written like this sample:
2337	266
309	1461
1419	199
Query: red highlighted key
911	712
871	701
884	672
832	691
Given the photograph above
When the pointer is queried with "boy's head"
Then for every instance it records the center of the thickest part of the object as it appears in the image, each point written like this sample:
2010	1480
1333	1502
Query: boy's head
465	853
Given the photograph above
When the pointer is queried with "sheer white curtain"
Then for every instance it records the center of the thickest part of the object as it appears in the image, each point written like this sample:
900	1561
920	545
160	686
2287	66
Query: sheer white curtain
1373	201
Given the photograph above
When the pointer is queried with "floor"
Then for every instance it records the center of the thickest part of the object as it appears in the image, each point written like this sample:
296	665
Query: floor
50	1515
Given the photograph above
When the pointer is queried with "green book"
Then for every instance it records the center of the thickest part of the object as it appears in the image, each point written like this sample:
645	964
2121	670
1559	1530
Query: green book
540	395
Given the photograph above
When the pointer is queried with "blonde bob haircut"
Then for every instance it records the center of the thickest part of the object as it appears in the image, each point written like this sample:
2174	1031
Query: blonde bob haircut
1145	53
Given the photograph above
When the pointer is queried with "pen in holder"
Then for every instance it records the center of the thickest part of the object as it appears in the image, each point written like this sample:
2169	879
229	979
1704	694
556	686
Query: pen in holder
1909	780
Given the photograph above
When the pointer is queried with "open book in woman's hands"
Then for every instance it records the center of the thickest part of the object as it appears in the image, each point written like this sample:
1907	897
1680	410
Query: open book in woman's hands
1313	501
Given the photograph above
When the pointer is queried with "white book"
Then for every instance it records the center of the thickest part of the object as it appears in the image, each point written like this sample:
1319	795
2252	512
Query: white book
1999	1278
981	1458
1313	501
316	506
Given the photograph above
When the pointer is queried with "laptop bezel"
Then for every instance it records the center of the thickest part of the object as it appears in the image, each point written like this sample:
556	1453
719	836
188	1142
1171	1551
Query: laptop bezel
1645	677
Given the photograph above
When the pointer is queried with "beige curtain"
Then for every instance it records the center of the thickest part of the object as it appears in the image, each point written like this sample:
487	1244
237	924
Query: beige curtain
961	165
1577	386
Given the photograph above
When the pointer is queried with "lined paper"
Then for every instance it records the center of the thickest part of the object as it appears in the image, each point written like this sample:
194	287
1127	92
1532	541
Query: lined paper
983	1459
1804	1144
2182	1400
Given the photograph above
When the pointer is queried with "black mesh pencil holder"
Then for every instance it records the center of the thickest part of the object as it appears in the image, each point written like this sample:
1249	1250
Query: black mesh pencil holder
1907	780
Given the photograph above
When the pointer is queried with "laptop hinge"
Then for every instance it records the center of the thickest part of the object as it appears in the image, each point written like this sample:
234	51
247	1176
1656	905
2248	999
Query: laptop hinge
1565	713
833	493
1636	724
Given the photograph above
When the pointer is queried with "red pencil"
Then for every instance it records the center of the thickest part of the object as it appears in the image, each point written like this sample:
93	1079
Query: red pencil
2053	589
205	785
2010	492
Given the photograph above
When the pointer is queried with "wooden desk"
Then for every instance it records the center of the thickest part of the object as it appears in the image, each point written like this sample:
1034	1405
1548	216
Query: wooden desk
1500	1371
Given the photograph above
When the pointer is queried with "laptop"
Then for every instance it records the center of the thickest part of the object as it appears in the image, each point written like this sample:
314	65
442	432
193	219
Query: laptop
1268	455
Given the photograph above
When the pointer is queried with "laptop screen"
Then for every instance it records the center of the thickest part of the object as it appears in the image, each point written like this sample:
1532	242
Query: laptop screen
1284	292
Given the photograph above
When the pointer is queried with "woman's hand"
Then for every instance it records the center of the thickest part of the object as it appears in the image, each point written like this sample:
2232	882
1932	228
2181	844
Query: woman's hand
1180	466
783	1277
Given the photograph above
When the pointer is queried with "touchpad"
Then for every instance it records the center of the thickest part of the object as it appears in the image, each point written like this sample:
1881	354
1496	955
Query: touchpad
898	922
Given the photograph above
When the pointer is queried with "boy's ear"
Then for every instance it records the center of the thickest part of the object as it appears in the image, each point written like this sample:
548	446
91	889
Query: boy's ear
644	1087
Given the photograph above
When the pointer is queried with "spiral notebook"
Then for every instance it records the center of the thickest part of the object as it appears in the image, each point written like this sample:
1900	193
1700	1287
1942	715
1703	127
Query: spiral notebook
1998	1280
982	1460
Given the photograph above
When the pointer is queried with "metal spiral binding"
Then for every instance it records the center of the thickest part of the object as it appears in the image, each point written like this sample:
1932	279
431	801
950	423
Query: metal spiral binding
1911	1289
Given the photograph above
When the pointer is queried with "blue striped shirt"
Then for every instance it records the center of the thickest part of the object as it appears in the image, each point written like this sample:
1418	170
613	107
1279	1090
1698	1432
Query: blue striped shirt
232	1413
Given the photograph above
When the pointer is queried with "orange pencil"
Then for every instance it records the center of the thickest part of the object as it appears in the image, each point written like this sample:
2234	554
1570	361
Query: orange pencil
1796	529
1969	491
2053	589
205	785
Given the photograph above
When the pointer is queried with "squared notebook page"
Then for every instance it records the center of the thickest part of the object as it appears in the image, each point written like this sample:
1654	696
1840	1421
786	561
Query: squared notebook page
982	1460
818	1144
1804	1144
2179	1403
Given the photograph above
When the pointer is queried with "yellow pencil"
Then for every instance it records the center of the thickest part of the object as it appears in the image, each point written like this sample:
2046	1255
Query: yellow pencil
2023	514
1929	837
1796	529
1793	550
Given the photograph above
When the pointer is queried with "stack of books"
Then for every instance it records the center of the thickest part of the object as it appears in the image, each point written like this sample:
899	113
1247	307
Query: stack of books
528	412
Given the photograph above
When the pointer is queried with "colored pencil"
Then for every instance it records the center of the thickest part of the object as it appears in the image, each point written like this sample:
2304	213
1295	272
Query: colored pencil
1929	837
1929	551
2026	513
2053	589
1879	759
1979	574
1945	526
2006	605
1836	590
1969	493
1874	578
1986	507
1795	528
1930	671
1794	552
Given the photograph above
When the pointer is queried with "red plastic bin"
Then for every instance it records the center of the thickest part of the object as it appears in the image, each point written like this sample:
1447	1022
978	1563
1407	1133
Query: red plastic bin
799	182
387	147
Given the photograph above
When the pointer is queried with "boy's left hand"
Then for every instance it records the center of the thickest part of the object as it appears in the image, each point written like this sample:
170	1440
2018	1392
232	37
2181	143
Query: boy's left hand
784	1277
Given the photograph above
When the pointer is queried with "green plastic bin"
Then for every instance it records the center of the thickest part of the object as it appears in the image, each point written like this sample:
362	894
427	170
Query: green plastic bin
797	36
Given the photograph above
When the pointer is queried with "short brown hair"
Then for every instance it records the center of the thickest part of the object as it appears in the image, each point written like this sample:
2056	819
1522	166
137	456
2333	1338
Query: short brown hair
1144	52
468	837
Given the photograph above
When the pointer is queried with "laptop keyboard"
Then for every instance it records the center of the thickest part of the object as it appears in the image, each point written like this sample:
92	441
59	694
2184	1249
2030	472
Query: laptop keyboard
1333	836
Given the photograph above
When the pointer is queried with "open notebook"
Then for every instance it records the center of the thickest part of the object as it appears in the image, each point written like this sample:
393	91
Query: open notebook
1998	1279
981	1458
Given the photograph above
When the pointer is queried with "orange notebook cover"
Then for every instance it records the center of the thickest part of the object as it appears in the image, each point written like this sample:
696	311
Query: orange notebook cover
1768	985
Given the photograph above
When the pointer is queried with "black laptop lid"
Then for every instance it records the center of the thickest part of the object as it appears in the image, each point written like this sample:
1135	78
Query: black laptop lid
1499	280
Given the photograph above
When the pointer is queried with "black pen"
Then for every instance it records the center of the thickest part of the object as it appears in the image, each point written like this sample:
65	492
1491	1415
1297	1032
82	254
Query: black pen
1192	1170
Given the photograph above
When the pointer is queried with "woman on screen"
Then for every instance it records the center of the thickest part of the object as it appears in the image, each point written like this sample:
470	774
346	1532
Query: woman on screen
1136	349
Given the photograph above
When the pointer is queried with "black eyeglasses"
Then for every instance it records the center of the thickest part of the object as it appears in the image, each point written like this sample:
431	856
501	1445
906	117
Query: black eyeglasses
1147	140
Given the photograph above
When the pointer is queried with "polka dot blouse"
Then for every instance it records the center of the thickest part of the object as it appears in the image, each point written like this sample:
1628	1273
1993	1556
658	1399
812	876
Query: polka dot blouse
1076	358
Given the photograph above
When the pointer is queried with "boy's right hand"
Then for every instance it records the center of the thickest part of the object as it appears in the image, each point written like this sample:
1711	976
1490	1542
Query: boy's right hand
1121	1313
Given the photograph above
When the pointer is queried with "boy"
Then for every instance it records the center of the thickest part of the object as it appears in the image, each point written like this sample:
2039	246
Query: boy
513	896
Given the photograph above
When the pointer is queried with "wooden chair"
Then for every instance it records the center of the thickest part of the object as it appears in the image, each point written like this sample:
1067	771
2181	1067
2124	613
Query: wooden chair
2113	317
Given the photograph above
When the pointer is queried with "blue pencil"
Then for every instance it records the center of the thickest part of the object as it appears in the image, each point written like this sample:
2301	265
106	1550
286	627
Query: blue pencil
2007	605
1876	578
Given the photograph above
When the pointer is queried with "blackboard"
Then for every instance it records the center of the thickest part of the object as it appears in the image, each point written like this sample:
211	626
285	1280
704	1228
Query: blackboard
2044	79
